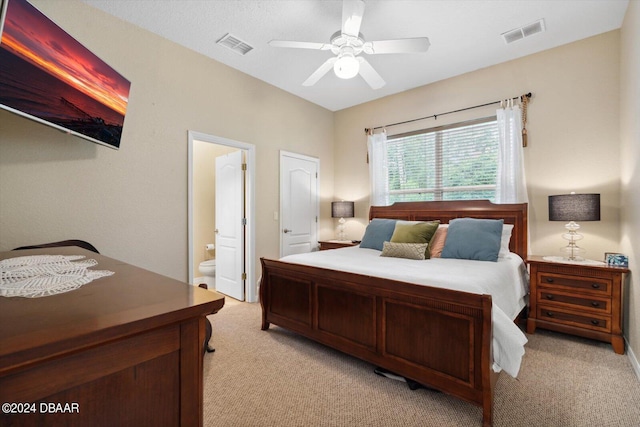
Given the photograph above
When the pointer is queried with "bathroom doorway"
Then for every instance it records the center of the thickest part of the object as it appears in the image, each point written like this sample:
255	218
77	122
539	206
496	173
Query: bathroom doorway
204	152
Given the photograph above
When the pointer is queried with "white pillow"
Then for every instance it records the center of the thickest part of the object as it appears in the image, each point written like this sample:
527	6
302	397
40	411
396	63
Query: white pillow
504	241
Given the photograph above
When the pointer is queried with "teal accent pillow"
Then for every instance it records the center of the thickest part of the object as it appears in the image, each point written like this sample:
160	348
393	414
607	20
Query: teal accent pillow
377	232
415	232
472	238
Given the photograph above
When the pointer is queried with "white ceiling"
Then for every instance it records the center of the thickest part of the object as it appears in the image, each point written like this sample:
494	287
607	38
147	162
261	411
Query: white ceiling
465	35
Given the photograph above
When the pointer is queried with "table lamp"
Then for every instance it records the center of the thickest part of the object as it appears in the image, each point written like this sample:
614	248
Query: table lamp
574	207
342	210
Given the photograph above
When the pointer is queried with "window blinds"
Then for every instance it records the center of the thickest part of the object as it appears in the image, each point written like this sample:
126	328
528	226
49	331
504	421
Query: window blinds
446	163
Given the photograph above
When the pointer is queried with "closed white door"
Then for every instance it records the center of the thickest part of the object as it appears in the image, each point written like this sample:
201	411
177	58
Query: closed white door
230	225
298	203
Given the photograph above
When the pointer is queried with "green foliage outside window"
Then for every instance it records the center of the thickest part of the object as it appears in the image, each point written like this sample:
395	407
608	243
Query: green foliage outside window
454	163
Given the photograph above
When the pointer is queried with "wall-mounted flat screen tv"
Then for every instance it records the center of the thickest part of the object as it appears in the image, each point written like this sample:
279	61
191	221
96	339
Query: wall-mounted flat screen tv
48	76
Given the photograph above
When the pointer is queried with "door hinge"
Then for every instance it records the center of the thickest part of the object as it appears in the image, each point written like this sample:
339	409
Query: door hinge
244	166
244	221
244	276
316	175
316	218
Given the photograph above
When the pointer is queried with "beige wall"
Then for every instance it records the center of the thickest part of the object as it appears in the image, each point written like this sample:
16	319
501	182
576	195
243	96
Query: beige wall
586	100
630	175
132	203
572	127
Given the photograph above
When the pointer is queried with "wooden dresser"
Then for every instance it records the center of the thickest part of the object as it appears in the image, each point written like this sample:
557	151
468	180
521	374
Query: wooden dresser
579	299
123	350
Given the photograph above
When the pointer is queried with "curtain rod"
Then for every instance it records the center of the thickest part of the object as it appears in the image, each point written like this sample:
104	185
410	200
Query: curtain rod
435	116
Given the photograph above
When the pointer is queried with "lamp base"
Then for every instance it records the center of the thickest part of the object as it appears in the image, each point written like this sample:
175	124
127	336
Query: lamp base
573	258
572	249
341	222
572	252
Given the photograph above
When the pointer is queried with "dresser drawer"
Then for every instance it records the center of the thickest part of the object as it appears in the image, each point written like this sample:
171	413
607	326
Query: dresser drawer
583	284
585	321
575	302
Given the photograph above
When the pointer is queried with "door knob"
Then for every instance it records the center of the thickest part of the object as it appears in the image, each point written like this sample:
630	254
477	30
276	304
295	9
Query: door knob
215	231
286	230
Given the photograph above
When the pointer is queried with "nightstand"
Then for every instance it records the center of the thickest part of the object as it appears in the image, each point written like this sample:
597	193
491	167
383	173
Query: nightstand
578	299
335	244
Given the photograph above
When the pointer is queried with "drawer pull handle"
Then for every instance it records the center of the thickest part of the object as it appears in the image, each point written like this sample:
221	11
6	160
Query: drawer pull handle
549	314
595	304
549	296
549	280
595	285
595	322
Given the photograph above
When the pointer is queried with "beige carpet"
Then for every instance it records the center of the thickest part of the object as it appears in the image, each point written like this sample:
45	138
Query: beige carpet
276	378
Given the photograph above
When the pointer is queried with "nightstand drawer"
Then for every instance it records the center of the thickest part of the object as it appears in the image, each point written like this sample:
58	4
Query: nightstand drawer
575	302
584	284
578	298
552	314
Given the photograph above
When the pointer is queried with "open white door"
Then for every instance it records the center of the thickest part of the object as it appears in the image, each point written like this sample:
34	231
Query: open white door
230	225
298	203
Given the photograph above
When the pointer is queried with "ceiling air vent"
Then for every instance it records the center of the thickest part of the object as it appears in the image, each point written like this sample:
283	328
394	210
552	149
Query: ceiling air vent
235	44
522	32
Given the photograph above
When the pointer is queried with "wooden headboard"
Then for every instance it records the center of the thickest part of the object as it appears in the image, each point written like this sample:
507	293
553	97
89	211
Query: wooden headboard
445	211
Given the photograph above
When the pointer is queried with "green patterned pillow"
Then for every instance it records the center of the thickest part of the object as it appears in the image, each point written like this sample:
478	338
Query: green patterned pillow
415	232
404	250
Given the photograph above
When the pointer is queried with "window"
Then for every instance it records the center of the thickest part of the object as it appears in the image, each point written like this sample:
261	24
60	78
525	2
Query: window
456	162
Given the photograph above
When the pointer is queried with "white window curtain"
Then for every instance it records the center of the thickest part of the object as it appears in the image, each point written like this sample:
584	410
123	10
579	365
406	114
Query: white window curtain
377	149
511	186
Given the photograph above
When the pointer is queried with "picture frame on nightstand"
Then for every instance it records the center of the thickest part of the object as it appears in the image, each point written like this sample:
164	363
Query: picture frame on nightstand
616	259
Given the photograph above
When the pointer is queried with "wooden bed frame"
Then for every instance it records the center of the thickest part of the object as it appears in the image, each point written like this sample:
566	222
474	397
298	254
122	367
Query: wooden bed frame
437	337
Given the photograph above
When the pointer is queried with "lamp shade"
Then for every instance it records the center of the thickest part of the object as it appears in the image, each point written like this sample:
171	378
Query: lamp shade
574	207
342	209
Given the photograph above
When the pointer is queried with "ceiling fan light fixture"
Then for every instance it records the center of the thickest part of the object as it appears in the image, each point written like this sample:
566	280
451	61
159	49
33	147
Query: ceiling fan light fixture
347	66
348	43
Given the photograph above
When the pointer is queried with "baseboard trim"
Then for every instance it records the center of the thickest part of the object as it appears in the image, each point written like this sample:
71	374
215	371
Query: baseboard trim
634	361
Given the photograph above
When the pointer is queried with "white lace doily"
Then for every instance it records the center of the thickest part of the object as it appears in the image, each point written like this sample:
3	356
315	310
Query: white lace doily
578	261
43	275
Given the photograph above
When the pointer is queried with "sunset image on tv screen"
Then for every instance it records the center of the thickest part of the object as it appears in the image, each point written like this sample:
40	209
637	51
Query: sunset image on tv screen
47	74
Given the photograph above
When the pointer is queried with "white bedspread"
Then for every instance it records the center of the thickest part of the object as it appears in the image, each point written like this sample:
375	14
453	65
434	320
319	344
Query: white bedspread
505	280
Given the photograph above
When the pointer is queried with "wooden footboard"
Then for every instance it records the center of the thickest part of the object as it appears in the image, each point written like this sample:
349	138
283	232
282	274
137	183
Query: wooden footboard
438	337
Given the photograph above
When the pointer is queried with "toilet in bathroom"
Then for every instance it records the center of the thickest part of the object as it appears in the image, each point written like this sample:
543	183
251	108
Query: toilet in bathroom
208	271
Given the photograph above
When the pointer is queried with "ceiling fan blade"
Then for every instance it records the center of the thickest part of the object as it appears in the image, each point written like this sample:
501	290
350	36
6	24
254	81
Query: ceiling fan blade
300	45
370	75
415	45
320	72
352	12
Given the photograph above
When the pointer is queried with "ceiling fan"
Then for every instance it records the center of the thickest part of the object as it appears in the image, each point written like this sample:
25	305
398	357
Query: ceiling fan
348	43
